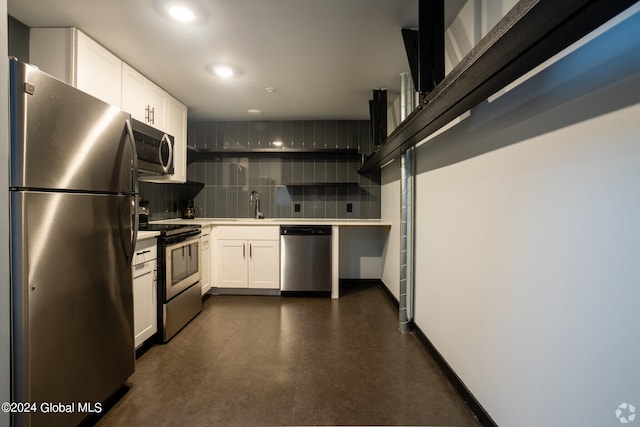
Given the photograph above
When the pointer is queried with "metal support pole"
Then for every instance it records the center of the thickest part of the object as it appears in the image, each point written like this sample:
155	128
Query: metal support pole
407	203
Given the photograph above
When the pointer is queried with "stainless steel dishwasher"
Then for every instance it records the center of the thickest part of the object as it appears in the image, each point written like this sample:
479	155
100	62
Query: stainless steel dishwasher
305	259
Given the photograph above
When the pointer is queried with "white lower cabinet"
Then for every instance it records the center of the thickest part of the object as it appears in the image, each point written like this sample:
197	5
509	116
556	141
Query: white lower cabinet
205	278
231	268
144	269
264	264
247	263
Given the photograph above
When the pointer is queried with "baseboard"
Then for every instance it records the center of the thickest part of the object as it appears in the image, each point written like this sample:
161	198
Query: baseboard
243	291
481	414
390	295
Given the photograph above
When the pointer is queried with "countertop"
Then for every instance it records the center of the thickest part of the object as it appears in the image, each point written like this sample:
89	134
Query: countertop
281	221
143	235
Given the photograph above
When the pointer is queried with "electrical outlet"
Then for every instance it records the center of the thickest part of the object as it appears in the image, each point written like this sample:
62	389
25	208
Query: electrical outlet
349	207
296	207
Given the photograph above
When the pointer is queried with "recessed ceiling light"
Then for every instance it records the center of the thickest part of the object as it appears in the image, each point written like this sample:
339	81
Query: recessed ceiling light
223	71
254	111
181	13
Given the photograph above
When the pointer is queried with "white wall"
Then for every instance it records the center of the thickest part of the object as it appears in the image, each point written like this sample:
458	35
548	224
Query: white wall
475	20
5	320
360	252
528	241
390	211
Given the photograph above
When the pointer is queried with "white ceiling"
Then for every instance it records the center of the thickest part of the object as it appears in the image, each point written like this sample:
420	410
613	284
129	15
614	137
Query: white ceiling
322	57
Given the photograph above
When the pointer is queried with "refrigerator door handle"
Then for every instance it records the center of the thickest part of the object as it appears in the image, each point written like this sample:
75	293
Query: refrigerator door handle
166	140
134	187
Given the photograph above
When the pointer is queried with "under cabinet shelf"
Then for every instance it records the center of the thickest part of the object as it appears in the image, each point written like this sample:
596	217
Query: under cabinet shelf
195	154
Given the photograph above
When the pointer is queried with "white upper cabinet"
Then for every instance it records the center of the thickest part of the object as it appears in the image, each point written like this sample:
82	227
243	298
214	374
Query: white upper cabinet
177	126
99	72
142	98
71	56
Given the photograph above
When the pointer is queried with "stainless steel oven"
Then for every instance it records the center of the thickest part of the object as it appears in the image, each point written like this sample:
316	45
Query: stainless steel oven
183	266
179	272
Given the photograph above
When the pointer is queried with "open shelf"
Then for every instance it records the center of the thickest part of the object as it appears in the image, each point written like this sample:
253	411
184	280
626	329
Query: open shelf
243	151
320	184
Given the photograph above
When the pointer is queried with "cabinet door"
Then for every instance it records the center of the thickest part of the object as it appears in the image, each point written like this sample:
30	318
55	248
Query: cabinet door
264	264
206	270
176	125
156	99
144	301
134	97
142	98
99	72
231	266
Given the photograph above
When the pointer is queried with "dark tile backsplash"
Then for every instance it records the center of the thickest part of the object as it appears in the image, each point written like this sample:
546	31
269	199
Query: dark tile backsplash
322	183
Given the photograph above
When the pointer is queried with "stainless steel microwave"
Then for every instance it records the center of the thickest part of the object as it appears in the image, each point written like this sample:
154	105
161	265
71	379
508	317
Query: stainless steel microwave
155	149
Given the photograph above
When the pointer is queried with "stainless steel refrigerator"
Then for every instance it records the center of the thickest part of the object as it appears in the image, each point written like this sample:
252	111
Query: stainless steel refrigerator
73	193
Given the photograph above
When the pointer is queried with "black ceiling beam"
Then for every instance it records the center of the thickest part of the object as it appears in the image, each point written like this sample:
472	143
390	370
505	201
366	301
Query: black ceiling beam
410	39
431	44
425	46
378	116
532	32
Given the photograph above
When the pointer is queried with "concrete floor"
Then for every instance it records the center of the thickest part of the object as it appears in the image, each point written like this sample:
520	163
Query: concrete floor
248	360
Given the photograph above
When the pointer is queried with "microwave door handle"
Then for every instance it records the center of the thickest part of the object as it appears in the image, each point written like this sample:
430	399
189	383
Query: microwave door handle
166	140
134	186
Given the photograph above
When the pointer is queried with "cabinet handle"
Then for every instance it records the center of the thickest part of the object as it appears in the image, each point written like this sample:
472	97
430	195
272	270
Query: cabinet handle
146	114
250	250
153	116
243	251
143	252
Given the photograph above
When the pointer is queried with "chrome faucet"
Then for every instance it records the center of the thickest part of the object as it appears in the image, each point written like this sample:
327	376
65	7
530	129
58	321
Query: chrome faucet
256	210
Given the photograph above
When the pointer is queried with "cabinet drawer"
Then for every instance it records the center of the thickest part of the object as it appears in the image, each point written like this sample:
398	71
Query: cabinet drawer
248	232
146	250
